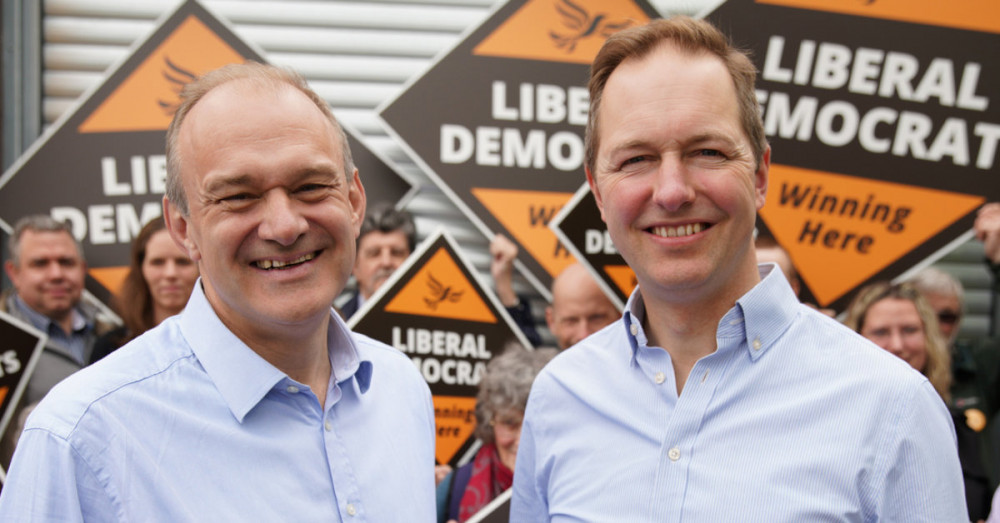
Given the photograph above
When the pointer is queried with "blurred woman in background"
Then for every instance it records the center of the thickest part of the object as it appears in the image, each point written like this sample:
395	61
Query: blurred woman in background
500	404
158	284
899	319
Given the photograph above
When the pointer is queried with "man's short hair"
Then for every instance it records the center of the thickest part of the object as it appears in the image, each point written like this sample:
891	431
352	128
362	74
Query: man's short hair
385	218
689	35
261	76
932	280
38	223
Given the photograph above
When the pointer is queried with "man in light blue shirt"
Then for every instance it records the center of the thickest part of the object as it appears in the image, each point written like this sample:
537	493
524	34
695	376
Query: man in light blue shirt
717	396
256	403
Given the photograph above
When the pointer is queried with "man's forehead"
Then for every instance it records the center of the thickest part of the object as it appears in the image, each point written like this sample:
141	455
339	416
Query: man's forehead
32	237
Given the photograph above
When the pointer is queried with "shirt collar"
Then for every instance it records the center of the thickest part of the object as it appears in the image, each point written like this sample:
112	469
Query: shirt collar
242	376
44	323
760	316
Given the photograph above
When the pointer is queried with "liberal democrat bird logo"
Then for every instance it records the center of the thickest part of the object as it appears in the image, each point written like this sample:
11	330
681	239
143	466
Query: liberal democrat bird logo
583	25
440	293
178	77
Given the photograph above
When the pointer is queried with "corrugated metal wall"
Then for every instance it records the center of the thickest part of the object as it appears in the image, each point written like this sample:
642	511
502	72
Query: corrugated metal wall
356	55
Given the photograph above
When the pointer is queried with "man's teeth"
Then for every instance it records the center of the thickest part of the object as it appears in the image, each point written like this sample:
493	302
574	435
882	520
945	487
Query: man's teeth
682	230
275	264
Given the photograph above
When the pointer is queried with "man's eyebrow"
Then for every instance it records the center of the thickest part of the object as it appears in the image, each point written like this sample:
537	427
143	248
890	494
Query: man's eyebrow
217	184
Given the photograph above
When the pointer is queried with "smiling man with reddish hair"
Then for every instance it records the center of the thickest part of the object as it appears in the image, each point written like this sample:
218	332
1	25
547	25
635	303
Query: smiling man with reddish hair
716	396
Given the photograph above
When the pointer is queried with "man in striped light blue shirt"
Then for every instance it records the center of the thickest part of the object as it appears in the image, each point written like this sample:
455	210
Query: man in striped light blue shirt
717	396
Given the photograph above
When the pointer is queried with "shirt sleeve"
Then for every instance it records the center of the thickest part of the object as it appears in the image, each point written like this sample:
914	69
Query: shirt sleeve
529	502
49	481
923	481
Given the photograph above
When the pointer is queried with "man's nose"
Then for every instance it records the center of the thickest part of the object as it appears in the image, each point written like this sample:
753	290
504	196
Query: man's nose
55	271
282	221
672	187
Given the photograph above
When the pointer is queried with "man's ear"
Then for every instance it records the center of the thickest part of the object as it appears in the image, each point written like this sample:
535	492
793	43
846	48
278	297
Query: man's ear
356	197
11	271
761	177
177	226
549	317
593	188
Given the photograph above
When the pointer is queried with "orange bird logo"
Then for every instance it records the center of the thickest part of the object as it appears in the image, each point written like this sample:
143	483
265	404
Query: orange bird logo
581	24
440	293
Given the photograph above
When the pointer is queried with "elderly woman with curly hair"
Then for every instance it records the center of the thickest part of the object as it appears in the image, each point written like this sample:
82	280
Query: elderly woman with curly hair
900	320
500	404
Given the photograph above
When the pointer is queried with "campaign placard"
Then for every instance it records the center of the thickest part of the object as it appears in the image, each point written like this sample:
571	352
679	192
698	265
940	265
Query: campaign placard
20	348
102	167
498	121
883	125
434	309
580	228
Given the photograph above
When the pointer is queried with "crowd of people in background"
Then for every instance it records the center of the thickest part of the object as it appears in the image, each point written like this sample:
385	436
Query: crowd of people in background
607	392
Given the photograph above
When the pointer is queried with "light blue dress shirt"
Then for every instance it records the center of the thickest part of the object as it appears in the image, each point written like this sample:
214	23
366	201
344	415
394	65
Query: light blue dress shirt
795	418
187	423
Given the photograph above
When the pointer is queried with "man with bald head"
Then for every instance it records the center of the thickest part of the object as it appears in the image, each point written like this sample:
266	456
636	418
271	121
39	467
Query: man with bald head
256	403
579	307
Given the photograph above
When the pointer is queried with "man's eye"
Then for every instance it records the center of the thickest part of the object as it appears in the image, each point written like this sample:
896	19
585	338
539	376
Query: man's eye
310	187
710	152
633	160
236	197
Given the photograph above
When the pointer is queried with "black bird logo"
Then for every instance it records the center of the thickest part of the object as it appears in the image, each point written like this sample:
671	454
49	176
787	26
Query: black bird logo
440	293
582	25
177	77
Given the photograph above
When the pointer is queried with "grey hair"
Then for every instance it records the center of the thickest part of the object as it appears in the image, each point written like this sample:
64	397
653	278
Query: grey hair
260	76
932	280
506	384
385	218
38	223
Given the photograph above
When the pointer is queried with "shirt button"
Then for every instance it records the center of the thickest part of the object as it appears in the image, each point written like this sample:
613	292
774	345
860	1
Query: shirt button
660	378
292	389
634	329
674	454
327	425
756	344
351	511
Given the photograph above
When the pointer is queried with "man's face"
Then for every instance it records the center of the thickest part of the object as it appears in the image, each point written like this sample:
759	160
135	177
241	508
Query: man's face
50	273
675	177
949	313
379	254
273	217
579	308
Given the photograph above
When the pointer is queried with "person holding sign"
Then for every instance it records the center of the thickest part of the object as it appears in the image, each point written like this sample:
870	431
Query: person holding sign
256	403
716	396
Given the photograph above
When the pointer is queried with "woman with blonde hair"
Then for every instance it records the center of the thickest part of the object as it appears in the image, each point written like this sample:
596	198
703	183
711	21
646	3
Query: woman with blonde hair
899	319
